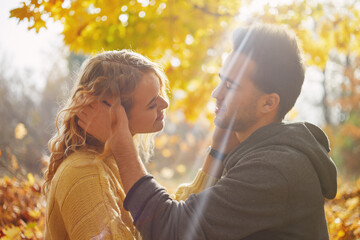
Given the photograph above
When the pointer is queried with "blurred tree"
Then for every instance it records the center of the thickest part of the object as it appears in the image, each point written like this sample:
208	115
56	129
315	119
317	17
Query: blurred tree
19	139
27	116
330	37
328	34
187	37
180	34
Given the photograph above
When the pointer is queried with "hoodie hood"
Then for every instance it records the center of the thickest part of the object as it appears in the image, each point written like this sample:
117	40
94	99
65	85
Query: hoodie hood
305	138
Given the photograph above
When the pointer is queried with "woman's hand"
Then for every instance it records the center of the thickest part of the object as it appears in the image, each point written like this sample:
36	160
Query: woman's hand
224	140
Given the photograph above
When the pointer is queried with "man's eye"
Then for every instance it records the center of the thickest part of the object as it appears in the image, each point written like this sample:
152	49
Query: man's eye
228	84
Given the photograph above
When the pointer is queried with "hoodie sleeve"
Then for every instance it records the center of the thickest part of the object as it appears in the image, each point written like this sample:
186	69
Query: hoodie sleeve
249	198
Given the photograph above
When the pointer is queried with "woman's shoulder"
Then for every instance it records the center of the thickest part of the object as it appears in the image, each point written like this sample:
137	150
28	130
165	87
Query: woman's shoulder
78	166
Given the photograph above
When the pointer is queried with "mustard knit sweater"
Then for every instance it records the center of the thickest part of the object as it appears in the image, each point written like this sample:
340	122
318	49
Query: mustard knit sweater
85	200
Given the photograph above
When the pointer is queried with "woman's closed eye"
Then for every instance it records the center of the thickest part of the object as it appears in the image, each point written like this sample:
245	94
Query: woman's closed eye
153	106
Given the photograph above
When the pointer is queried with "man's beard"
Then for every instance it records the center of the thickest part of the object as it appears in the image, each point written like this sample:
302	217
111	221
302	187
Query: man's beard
240	124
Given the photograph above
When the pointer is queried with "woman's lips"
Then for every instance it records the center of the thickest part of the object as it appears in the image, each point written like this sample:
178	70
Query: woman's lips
160	117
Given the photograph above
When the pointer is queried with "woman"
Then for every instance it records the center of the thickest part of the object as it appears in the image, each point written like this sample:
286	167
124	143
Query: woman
83	187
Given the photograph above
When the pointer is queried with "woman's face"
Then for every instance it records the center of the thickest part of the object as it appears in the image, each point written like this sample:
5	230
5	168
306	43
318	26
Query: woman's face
146	113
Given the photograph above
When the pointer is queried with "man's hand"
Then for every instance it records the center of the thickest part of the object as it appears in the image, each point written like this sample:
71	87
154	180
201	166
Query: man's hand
95	120
105	122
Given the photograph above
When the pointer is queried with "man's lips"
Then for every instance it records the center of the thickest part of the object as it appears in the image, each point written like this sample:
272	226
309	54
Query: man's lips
219	109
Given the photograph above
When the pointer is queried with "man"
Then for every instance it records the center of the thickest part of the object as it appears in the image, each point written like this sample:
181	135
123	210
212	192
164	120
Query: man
273	183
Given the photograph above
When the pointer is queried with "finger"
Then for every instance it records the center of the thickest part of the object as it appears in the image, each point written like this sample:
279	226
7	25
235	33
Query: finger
82	124
86	110
82	114
91	110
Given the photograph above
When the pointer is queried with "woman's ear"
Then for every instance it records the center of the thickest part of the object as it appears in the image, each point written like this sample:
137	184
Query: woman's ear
270	103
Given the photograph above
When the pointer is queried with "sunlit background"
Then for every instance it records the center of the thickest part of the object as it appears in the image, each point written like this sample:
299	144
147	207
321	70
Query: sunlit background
190	39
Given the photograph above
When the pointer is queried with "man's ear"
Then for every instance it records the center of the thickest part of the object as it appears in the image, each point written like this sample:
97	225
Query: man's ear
270	103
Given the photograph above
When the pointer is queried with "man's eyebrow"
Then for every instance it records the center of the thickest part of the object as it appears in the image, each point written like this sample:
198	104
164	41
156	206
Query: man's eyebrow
223	78
152	100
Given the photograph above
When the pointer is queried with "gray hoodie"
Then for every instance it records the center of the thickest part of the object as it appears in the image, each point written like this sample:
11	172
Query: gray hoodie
273	187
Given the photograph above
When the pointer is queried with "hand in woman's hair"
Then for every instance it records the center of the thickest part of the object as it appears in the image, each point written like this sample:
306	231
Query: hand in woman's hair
95	120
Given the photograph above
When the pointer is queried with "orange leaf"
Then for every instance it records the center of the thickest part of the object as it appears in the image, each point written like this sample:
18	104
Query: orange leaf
21	13
14	162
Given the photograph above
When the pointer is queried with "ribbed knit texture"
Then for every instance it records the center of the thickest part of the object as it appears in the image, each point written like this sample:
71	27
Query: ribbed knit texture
85	200
201	182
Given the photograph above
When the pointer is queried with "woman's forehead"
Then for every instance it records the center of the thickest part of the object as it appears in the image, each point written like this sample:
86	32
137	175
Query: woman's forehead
147	89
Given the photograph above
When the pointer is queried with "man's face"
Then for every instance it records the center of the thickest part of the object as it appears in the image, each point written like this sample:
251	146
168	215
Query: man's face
237	98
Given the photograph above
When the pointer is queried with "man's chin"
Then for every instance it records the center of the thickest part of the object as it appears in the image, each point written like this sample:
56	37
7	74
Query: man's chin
221	123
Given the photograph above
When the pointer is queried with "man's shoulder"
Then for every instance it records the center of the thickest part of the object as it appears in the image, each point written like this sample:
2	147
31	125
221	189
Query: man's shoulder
282	159
272	154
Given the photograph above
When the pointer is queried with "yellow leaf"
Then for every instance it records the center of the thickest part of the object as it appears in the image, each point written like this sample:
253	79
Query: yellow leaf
0	152
7	179
21	13
31	178
352	203
35	214
29	234
38	25
20	131
12	232
341	233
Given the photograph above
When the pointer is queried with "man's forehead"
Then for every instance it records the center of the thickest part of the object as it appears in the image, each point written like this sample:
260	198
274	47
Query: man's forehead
237	64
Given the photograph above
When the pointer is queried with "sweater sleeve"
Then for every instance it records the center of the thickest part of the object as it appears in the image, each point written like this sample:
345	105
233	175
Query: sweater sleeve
202	181
248	199
88	210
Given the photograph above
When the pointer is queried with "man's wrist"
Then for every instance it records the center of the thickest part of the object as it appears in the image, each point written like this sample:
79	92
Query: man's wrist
216	154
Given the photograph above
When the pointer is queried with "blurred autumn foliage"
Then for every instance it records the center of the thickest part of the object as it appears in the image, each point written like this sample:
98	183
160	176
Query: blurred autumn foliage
22	215
189	38
23	210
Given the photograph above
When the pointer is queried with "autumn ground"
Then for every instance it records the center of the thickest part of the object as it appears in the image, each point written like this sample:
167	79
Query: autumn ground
23	210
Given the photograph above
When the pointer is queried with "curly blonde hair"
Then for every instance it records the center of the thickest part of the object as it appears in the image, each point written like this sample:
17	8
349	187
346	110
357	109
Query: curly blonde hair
105	75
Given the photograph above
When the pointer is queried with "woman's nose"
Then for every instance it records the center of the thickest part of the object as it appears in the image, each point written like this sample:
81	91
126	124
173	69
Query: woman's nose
162	103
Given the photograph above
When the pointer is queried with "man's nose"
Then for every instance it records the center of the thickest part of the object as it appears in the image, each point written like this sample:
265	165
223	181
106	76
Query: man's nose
218	92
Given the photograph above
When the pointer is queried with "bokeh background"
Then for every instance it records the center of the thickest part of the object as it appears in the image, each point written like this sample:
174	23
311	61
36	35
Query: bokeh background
43	43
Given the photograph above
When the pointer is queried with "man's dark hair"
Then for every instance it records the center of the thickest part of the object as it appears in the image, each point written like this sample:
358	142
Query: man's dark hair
279	65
